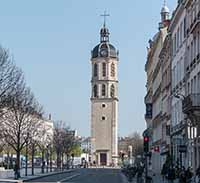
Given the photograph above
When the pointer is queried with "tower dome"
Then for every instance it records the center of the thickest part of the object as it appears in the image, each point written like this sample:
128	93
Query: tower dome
104	48
165	12
165	9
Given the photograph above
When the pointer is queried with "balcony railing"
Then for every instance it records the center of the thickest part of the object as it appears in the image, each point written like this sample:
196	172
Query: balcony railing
191	103
187	3
195	23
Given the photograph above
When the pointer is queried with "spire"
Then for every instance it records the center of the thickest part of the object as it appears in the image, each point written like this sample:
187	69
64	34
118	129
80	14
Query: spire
104	31
164	3
164	12
164	15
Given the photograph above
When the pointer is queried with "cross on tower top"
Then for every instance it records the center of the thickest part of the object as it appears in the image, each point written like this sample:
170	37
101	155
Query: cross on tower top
105	15
164	2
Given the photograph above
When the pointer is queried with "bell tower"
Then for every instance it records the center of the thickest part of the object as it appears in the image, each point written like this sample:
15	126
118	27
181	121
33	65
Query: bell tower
104	101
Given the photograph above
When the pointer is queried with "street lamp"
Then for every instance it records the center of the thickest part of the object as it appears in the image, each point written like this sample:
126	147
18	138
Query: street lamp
51	154
32	155
47	158
181	97
26	169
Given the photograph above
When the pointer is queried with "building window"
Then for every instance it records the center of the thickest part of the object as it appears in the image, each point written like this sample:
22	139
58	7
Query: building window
112	70
178	38
95	91
192	87
103	118
175	43
198	43
112	91
191	52
195	47
184	27
104	69
195	85
103	105
103	90
188	88
198	83
95	70
181	33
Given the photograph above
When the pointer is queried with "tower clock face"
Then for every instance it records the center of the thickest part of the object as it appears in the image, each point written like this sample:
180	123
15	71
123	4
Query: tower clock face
104	53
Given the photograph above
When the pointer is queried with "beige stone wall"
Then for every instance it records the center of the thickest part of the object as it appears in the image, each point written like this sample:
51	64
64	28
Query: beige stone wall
104	131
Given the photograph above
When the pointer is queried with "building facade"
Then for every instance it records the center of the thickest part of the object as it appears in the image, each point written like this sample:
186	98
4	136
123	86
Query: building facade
86	145
173	89
191	104
165	61
177	30
104	101
154	98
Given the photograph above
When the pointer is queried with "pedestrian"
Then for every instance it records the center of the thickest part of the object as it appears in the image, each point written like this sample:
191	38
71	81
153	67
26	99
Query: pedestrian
139	174
164	171
198	174
15	171
189	175
178	171
171	175
182	175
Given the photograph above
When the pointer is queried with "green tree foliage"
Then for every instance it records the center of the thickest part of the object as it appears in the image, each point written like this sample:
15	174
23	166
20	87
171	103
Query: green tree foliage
76	150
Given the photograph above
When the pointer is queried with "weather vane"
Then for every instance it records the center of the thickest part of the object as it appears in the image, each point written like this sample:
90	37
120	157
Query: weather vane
105	15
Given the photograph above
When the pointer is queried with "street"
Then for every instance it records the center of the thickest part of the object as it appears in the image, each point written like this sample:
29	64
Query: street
86	176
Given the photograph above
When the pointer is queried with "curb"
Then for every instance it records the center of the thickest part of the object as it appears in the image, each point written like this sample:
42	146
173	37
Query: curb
69	178
46	175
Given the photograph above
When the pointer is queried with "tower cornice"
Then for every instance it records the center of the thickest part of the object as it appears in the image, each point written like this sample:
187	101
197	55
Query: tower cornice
104	80
105	99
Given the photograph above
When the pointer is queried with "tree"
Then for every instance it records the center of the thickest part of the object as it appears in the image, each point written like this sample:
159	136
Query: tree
76	150
10	76
21	121
43	141
63	141
136	141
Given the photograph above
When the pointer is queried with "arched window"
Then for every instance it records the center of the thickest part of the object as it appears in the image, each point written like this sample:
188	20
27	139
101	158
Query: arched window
95	91
95	70
104	69
112	91
112	70
103	90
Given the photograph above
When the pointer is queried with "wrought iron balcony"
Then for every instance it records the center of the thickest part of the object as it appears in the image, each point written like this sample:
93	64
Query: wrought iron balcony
195	24
149	109
187	2
191	104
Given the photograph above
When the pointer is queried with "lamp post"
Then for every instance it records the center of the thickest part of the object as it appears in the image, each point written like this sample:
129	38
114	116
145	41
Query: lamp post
51	154
32	158
47	158
181	97
43	162
26	168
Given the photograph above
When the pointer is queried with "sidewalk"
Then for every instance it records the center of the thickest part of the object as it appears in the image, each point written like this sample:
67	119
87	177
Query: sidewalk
157	178
39	175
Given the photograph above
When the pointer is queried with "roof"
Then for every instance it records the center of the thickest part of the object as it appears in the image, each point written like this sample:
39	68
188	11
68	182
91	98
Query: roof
104	49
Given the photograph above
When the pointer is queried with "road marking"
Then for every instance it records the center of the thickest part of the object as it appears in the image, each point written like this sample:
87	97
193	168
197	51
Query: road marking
7	180
69	178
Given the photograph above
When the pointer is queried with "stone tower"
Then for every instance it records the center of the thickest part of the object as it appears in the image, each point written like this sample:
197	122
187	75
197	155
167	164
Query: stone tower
104	101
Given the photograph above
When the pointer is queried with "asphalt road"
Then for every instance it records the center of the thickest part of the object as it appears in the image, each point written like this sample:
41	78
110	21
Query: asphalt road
86	176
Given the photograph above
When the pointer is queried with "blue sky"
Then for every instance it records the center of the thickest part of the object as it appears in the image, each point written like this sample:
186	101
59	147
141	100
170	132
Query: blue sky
51	40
